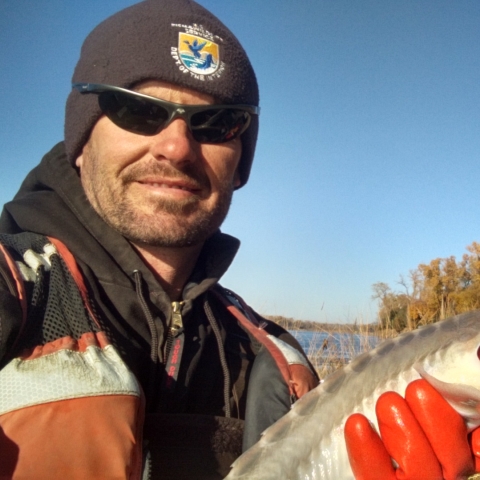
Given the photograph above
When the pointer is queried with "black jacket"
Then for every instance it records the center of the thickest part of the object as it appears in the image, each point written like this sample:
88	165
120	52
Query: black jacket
136	312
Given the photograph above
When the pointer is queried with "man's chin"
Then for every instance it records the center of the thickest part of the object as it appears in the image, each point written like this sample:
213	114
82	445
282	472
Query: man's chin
153	206
167	223
175	232
167	241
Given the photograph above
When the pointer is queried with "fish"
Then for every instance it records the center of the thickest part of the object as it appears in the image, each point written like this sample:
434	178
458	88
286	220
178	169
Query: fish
308	442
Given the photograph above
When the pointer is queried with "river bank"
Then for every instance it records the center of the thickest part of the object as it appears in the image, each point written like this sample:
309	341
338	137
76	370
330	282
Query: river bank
293	324
330	346
328	351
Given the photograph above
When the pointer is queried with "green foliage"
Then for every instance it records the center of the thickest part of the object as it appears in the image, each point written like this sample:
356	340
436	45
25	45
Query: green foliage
434	291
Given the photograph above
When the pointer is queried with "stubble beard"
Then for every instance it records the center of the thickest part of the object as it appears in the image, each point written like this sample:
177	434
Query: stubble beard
165	223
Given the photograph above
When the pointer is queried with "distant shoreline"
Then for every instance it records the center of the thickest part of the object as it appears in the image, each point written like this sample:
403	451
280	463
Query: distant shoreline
338	344
293	324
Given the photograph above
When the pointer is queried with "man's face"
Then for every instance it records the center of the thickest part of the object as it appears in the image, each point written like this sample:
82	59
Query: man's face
164	190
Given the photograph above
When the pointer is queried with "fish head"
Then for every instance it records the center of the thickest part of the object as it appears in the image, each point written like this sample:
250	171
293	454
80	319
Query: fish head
454	372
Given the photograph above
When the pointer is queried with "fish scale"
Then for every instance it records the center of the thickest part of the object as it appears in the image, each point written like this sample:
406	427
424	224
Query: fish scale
308	442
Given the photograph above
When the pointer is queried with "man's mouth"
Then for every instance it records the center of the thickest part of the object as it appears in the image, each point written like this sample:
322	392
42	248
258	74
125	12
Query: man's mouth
160	180
191	187
164	185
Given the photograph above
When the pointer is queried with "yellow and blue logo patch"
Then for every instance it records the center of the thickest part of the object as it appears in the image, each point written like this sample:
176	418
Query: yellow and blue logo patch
198	55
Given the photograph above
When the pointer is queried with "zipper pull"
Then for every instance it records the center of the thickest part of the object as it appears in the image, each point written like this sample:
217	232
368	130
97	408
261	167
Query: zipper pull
176	327
173	349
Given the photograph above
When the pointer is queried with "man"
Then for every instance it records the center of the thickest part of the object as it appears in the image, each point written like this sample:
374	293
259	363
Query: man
121	354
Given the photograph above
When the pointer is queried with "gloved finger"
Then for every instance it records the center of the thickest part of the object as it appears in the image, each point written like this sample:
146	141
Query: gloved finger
368	457
443	426
475	447
405	440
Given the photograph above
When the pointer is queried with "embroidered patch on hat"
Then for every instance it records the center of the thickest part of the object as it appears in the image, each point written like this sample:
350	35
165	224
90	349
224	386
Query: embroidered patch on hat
197	53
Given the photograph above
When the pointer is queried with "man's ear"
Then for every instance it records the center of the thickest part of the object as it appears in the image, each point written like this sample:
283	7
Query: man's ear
79	161
236	179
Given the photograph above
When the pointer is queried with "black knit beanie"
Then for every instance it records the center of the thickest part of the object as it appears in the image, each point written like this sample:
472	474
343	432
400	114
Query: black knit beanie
150	41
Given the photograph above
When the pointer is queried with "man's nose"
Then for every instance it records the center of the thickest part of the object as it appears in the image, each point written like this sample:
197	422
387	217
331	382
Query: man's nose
175	143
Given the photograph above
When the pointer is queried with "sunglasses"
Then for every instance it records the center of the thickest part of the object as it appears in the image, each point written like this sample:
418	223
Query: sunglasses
147	115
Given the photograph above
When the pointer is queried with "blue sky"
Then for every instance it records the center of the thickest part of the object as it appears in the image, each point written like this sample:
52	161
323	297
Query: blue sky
368	157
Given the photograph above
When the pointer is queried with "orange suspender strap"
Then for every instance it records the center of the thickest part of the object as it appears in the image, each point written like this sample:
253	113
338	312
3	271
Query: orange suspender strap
21	292
72	266
251	325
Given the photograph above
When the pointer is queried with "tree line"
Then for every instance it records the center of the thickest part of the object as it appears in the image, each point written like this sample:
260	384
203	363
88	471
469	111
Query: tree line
432	292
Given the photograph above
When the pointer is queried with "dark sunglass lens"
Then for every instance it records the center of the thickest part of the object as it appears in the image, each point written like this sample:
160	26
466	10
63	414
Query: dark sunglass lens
132	113
218	125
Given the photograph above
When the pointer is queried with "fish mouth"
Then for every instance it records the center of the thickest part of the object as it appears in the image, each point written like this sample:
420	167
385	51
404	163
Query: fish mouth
465	399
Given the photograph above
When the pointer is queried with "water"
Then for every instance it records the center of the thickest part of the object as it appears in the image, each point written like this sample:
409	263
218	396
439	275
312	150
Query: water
341	345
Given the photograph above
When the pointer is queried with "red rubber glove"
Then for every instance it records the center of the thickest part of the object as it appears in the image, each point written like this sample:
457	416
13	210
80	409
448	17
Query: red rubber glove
423	433
475	446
